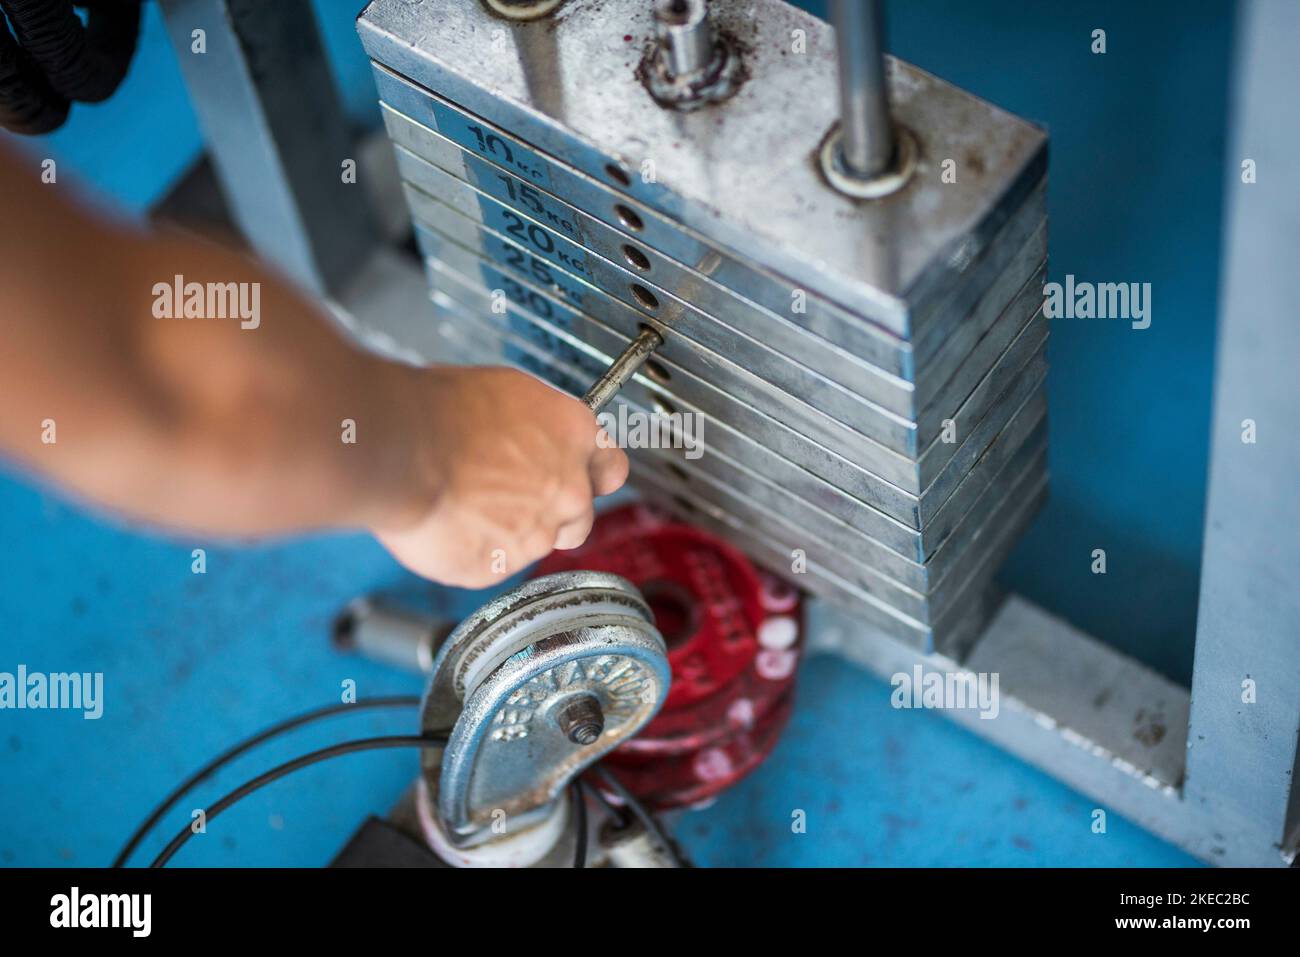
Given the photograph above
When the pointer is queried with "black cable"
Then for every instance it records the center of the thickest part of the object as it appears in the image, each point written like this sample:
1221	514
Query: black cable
28	104
639	810
282	770
221	760
52	59
630	802
83	63
112	34
621	812
580	821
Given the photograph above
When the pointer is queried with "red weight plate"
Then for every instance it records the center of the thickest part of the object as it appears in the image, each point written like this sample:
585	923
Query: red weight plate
705	595
694	778
741	704
733	633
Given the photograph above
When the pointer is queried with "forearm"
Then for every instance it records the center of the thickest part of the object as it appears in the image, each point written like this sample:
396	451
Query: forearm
246	413
239	425
281	425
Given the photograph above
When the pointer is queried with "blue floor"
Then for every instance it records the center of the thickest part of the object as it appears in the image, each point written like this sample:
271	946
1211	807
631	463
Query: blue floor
193	663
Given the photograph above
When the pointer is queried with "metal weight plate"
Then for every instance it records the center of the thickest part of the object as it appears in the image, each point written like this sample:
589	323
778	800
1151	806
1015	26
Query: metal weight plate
969	607
876	439
401	102
774	481
734	634
803	364
509	170
503	678
730	393
829	376
546	225
888	260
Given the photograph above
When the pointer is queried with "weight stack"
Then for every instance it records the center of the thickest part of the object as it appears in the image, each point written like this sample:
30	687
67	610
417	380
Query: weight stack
869	373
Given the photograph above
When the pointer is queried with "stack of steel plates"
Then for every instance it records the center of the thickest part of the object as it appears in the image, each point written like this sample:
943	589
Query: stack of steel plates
868	373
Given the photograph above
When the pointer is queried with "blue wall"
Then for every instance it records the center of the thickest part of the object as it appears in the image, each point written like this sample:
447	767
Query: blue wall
1135	194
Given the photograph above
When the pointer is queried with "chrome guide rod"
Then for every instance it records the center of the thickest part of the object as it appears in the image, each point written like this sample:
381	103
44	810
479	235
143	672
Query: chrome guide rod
867	132
683	29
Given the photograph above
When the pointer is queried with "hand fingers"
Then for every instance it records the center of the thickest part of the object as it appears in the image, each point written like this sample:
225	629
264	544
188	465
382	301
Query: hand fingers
574	510
608	469
573	533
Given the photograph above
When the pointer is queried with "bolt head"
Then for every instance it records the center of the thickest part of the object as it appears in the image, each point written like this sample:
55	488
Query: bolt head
582	720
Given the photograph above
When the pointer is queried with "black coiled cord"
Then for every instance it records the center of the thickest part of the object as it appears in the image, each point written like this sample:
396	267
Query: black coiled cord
51	59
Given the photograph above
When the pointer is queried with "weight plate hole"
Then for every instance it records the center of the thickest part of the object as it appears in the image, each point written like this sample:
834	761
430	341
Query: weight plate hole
674	610
636	258
629	218
659	372
661	405
618	174
644	296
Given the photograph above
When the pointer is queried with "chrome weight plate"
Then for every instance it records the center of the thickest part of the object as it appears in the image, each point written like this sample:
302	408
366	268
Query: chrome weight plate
534	686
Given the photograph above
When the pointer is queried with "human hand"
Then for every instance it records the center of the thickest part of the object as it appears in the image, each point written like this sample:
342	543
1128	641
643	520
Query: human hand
504	469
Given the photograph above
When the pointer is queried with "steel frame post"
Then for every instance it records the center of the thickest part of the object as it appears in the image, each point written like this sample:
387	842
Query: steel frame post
276	132
1245	720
